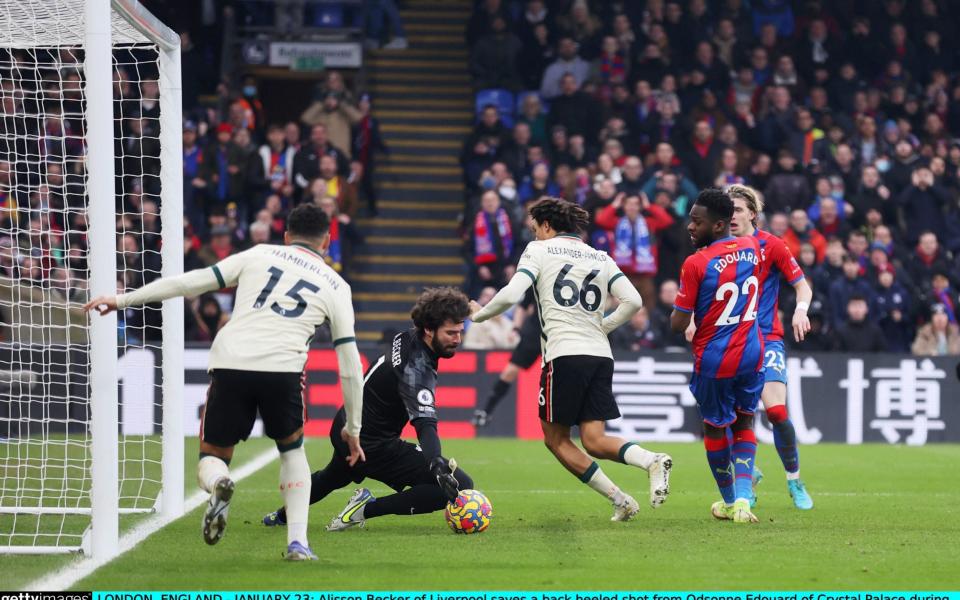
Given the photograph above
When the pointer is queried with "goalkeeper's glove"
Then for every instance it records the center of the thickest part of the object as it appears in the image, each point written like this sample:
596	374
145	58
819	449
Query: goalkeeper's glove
443	471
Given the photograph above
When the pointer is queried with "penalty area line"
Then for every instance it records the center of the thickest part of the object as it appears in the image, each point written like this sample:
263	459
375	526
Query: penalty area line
79	568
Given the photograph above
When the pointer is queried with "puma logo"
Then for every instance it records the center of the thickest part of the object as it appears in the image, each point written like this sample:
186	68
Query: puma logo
727	471
742	461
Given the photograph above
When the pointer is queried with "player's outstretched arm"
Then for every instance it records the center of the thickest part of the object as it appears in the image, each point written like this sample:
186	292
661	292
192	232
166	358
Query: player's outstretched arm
351	382
192	283
801	322
630	303
508	296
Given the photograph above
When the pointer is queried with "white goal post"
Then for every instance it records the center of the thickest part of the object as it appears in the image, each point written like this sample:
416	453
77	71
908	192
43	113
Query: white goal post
91	202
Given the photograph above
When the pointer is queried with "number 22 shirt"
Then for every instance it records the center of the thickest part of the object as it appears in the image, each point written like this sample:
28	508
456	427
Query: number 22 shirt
720	284
571	281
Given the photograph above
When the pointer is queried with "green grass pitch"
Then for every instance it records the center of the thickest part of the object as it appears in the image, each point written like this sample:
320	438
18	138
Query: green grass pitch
886	517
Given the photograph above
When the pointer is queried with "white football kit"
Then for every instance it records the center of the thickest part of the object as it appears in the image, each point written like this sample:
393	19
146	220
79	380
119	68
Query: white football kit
571	283
283	294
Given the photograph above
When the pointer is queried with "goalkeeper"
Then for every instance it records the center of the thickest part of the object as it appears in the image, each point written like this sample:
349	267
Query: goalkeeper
398	388
256	363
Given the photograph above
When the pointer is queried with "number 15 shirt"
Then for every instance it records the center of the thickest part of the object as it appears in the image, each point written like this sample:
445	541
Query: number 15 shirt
571	281
720	284
283	294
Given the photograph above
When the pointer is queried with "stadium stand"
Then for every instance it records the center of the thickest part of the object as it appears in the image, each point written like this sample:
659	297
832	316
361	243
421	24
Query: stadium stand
839	113
845	115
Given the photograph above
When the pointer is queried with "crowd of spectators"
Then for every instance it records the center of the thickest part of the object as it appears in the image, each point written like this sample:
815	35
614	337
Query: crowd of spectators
241	176
844	115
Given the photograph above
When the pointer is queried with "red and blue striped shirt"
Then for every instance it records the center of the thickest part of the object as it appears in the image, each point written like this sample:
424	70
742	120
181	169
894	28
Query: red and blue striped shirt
721	285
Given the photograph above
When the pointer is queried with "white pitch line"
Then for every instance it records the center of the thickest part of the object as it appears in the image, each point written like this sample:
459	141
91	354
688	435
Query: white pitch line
73	572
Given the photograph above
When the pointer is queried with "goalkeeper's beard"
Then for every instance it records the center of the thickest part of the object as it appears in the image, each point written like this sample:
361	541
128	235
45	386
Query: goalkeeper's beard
441	350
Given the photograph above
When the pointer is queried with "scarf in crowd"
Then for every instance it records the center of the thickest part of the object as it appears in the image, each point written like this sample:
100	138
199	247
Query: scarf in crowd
334	255
612	68
363	139
944	297
926	259
278	165
633	246
223	167
809	139
485	246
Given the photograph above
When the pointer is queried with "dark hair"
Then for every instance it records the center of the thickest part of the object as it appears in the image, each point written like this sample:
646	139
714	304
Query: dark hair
717	202
855	297
309	221
563	216
436	306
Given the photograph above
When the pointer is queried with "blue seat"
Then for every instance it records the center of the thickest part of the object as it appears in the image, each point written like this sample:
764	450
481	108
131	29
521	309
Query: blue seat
502	99
325	15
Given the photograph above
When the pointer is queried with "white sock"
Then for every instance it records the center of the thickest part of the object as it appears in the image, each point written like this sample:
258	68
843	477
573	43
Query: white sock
295	487
791	476
636	456
602	484
210	470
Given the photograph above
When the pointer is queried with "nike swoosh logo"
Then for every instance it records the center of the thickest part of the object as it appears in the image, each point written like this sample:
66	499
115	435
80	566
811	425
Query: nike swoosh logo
346	518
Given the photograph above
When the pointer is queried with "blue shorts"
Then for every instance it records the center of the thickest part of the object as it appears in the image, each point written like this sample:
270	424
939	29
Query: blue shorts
774	362
719	400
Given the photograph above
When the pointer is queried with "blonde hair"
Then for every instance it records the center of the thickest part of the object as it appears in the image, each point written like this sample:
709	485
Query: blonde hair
749	195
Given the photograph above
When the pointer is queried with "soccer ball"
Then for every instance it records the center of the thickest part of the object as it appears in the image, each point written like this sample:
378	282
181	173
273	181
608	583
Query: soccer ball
470	512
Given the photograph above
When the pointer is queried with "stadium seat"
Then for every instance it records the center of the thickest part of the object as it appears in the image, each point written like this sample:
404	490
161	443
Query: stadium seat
502	99
325	15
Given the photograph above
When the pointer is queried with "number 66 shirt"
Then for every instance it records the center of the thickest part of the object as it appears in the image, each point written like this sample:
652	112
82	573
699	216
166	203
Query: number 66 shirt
571	282
721	285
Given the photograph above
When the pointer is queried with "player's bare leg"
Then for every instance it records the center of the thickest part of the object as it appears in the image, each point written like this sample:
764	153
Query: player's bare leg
593	435
557	439
213	476
774	399
295	487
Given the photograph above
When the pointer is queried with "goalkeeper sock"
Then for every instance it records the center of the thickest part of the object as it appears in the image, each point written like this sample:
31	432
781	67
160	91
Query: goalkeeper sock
417	500
785	440
598	480
500	389
210	470
634	455
295	487
744	452
718	457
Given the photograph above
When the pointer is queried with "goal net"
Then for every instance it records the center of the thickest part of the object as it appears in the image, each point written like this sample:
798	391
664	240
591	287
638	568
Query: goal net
90	204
